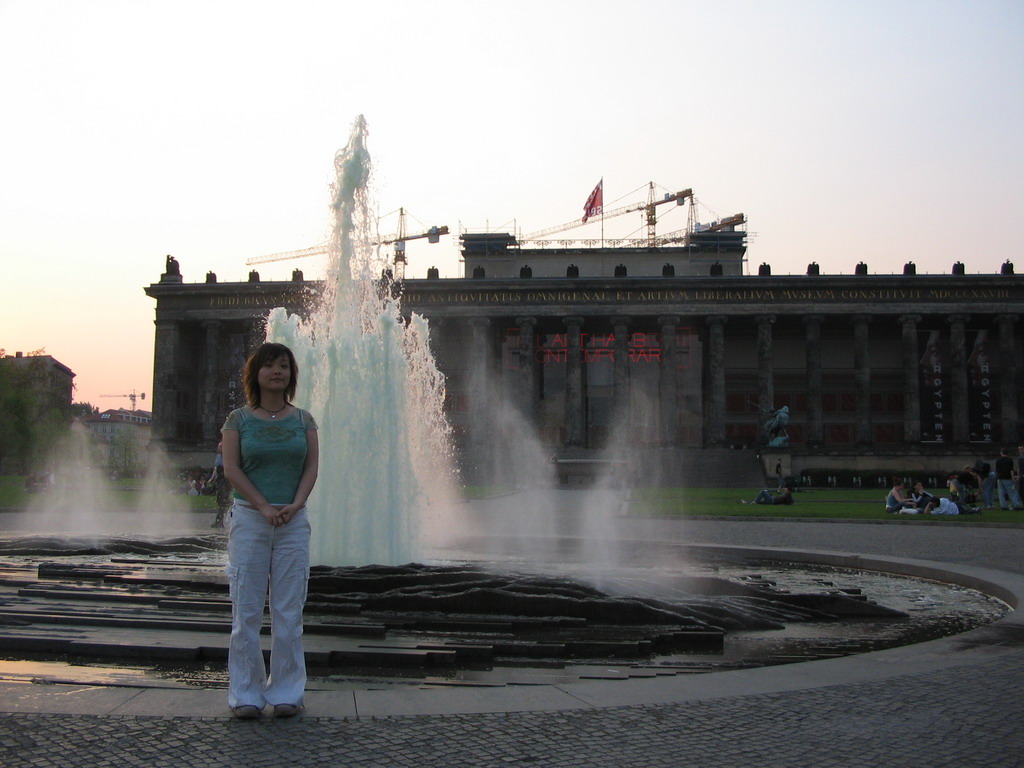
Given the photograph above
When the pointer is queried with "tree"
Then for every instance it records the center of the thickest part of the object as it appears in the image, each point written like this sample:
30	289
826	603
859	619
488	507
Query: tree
124	452
47	432
16	405
82	410
33	414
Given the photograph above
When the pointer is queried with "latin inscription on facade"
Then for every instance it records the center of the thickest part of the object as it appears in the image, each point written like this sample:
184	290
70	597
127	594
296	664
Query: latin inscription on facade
701	295
245	301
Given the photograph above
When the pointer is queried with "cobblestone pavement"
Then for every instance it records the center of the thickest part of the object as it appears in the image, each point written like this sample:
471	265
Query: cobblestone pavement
968	714
967	717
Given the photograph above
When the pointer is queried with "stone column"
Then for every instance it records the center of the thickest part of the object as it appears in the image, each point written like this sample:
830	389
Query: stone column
481	393
862	380
234	342
164	395
480	328
958	377
209	390
714	397
621	389
255	334
667	383
573	384
911	380
765	377
815	420
527	379
1008	380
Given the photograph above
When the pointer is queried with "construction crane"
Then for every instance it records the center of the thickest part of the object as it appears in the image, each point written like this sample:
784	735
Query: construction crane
649	208
132	397
399	238
729	223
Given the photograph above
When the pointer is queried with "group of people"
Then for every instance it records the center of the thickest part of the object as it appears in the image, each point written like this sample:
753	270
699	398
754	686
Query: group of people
193	484
918	501
965	487
1004	478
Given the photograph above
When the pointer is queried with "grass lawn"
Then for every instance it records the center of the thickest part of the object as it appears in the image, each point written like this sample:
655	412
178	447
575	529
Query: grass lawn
845	503
124	493
822	503
840	503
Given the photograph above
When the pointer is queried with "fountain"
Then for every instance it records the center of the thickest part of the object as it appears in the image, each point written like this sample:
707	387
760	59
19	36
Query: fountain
384	493
82	503
574	593
370	380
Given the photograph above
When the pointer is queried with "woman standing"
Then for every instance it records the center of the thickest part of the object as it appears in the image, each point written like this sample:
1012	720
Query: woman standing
271	455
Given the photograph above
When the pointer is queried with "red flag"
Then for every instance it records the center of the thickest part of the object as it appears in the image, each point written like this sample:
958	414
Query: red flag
595	203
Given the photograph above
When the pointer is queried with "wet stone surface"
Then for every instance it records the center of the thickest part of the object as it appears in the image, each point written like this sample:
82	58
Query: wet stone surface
161	610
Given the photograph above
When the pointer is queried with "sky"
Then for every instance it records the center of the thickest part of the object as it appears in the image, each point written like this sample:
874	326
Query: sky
879	131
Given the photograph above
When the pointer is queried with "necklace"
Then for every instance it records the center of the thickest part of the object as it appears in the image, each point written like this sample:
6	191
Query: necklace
273	414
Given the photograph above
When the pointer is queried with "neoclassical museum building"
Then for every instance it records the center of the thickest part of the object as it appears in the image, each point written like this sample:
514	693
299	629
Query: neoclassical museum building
670	350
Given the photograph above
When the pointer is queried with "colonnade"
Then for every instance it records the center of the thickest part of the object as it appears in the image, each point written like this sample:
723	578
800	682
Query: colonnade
861	372
194	361
714	363
196	371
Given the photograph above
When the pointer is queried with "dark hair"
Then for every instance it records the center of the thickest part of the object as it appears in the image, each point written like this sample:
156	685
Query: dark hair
267	353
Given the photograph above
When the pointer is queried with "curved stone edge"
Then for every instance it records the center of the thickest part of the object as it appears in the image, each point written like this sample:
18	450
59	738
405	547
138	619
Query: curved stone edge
1004	585
1003	639
983	644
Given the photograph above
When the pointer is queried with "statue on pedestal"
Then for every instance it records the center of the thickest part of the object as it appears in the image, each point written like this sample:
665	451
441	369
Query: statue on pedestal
172	271
775	425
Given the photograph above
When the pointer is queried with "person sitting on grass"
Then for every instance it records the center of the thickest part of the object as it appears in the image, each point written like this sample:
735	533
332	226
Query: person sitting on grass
897	501
921	497
766	497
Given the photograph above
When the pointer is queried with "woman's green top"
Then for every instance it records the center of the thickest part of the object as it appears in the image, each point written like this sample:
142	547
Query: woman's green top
273	451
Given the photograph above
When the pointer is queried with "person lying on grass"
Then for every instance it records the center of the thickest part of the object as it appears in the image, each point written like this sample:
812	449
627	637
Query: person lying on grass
766	497
942	506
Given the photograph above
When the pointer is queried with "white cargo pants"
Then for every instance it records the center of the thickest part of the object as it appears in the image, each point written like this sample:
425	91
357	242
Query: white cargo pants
262	556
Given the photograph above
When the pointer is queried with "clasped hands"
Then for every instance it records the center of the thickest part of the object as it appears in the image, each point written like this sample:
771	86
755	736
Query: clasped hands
278	516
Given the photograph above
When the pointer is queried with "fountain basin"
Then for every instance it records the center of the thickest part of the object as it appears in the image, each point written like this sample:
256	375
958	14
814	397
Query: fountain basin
166	611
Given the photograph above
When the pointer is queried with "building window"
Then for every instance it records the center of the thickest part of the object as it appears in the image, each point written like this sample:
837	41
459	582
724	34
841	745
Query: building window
840	434
736	402
888	433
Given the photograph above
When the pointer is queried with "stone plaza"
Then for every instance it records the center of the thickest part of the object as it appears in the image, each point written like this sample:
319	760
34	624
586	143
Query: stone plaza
956	701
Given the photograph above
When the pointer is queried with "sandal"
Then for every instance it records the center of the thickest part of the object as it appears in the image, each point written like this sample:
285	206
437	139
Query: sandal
246	712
